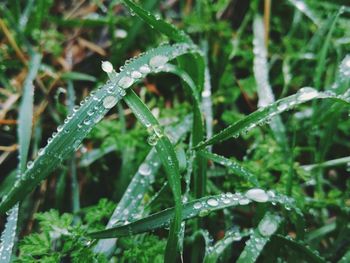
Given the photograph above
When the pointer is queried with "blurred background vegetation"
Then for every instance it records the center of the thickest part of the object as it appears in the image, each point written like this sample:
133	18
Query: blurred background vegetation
306	42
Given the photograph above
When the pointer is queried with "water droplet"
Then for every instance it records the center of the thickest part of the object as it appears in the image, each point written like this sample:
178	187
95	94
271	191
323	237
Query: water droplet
258	195
267	227
145	69
197	205
41	151
59	128
243	201
76	144
212	202
204	212
344	67
136	75
87	121
145	169
152	140
107	66
30	165
158	61
110	102
282	107
125	82
307	93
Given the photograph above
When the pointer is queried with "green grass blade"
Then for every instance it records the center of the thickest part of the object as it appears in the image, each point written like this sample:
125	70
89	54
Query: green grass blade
213	252
233	166
345	258
169	160
24	132
197	208
134	193
306	10
26	112
162	26
263	115
261	74
76	127
261	235
307	254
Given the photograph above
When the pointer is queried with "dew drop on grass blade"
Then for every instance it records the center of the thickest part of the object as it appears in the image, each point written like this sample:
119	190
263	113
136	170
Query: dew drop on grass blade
138	186
78	125
261	235
197	208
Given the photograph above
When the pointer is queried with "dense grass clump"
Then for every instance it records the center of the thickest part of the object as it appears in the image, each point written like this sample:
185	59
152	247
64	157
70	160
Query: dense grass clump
213	131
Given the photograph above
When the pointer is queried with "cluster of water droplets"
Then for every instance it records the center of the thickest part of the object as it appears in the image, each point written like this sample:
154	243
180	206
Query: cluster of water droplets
8	235
155	133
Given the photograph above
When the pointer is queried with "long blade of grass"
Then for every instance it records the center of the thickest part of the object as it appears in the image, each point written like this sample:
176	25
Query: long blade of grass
213	252
306	10
261	74
169	160
263	115
261	235
134	193
162	26
233	166
24	131
196	208
301	248
76	127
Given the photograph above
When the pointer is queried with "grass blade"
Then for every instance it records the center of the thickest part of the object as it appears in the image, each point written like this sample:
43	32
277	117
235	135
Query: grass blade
213	252
24	131
76	127
233	166
261	235
197	208
133	196
263	115
307	253
169	160
165	28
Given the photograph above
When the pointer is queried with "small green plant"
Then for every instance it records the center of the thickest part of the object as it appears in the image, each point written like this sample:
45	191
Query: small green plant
238	149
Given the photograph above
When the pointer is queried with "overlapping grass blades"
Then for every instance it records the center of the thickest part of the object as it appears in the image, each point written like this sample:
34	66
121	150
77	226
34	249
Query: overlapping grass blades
196	208
169	160
75	128
144	177
264	115
261	235
24	132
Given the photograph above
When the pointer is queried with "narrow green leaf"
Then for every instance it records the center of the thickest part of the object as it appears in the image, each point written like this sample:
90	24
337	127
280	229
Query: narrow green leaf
169	160
24	132
197	208
134	193
263	115
261	235
233	166
77	76
75	128
159	24
301	248
213	252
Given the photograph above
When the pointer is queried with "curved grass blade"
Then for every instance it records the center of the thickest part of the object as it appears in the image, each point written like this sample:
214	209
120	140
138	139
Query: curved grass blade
329	163
306	10
24	131
233	166
133	196
76	127
308	254
197	208
345	258
261	235
159	24
213	252
263	115
169	160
